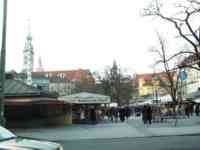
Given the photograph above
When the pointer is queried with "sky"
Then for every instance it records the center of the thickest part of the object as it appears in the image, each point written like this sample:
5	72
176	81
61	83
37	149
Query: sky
87	34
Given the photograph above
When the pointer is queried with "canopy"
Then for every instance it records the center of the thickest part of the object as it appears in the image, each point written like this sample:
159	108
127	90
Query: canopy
161	100
197	100
85	98
165	99
193	95
113	104
142	103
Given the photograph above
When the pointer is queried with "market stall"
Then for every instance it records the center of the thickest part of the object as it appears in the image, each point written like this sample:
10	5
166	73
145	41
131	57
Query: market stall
86	107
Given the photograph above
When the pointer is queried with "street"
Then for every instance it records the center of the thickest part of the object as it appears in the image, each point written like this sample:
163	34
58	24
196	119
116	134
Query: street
129	135
147	143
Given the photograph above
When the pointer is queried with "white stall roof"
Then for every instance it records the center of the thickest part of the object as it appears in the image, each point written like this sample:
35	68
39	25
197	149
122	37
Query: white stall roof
85	98
197	100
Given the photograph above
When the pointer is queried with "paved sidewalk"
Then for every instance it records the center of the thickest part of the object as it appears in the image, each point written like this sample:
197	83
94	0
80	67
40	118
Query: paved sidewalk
131	128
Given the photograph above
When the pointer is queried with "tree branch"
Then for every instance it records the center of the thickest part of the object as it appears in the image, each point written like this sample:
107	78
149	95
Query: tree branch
189	26
179	53
154	9
194	1
191	66
179	29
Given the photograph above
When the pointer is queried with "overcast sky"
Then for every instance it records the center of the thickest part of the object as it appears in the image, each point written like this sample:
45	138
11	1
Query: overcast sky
88	34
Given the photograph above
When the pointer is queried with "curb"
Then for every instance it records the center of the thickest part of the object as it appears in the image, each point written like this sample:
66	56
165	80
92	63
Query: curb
116	139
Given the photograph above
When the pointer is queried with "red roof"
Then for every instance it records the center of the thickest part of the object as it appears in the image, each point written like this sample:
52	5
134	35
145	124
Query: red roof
149	76
146	77
75	75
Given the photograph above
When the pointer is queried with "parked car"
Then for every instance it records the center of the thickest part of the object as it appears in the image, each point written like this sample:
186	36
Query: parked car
9	141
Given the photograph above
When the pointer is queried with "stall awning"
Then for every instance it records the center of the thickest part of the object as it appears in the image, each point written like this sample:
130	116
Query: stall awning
196	100
39	100
193	95
85	98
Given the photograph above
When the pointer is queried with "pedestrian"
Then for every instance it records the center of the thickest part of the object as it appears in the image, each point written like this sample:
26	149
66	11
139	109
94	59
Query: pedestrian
93	116
187	113
144	114
178	110
191	109
197	110
122	114
115	114
112	114
127	112
149	114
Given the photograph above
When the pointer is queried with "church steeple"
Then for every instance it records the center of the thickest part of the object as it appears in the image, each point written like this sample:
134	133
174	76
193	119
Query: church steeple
28	56
40	67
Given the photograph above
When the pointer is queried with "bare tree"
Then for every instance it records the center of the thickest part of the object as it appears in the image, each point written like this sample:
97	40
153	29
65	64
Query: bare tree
116	84
185	19
168	80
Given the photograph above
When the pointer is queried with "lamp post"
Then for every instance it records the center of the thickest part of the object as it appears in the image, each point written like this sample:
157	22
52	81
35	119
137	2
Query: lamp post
2	63
155	87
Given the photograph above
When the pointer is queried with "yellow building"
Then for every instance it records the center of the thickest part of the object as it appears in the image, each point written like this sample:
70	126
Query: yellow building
145	85
148	84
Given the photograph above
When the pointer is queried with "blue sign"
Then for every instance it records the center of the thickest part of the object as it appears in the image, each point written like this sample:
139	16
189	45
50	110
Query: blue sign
183	75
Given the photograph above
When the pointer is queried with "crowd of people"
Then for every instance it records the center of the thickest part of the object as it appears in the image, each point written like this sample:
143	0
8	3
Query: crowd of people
189	110
158	113
149	113
116	114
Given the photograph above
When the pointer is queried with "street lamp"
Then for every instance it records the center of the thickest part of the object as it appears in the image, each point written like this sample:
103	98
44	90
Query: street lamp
2	63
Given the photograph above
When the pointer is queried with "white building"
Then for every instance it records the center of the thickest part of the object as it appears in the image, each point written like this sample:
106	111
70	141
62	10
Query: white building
191	86
192	83
61	86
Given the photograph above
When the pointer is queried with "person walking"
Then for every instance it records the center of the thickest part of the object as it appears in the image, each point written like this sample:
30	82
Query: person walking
93	116
122	114
197	110
115	114
144	114
127	112
187	113
149	114
111	114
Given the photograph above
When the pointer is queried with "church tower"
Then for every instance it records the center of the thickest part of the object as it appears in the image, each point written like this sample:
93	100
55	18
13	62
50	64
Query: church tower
40	67
28	57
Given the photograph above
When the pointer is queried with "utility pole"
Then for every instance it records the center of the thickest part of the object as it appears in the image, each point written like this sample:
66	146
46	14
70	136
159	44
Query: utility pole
2	63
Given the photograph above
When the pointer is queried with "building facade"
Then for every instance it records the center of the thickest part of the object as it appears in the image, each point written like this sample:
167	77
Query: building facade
66	82
191	84
61	86
150	84
41	82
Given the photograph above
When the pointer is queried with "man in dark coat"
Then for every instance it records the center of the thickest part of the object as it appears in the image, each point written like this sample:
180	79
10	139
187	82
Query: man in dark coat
127	112
144	114
122	114
197	110
93	116
149	114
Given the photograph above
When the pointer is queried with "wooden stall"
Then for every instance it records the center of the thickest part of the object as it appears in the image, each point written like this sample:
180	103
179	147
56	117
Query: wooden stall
86	107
